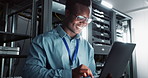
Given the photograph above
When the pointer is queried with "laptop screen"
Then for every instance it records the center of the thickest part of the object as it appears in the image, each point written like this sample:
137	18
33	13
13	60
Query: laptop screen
117	59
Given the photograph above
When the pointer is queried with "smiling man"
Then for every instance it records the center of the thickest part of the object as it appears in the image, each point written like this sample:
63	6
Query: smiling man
62	52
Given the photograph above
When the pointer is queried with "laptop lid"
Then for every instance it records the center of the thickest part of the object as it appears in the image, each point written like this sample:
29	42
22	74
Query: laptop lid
117	59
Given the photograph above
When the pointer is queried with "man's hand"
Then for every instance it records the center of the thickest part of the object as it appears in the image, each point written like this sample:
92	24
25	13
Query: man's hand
81	71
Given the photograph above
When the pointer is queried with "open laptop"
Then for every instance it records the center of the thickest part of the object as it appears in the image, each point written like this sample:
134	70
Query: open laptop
117	59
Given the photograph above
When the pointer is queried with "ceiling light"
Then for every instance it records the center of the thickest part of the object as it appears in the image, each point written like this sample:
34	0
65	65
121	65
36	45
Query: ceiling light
107	4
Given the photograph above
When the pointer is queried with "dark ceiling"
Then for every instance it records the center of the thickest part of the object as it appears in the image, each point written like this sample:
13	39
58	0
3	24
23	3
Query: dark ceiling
23	2
15	3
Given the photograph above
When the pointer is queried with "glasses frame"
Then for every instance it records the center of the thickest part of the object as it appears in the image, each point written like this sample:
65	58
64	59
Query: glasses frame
82	18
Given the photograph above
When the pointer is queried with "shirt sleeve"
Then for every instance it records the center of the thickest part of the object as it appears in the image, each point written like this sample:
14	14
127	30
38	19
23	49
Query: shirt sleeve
92	64
35	66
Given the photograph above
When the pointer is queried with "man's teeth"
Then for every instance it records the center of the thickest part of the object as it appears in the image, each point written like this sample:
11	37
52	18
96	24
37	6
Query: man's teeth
80	27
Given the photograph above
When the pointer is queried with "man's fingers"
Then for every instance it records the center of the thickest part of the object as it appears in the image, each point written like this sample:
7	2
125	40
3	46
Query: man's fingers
85	75
90	74
83	70
86	72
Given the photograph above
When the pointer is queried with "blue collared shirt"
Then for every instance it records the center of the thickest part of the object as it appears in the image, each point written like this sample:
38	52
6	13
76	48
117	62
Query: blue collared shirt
48	56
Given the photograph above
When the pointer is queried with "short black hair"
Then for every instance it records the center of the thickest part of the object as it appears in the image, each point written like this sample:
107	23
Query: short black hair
70	4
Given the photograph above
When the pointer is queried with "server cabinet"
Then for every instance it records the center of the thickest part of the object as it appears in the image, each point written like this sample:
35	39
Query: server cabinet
122	33
122	26
100	35
108	25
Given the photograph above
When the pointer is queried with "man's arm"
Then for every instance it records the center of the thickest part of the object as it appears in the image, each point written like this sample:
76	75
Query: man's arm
86	71
36	64
35	71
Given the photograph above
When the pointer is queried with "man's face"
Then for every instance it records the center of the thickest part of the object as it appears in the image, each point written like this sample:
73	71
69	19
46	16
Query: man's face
78	18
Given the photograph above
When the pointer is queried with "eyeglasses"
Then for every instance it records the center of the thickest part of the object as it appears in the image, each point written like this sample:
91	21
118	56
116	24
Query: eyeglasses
82	18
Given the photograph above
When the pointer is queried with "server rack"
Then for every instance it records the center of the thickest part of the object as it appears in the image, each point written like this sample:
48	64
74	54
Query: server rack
100	33
108	25
100	30
122	33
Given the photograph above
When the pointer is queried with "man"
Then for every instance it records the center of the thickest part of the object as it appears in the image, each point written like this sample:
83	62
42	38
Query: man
62	52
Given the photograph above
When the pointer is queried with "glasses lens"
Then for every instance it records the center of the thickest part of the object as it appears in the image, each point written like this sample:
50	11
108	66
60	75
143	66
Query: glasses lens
82	18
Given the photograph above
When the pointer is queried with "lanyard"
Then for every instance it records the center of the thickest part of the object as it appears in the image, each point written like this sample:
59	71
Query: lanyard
72	58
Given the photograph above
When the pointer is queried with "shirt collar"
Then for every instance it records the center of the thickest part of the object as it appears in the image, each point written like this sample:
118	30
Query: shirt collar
62	33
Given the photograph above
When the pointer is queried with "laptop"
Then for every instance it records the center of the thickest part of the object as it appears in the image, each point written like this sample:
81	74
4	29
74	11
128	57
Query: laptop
117	59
